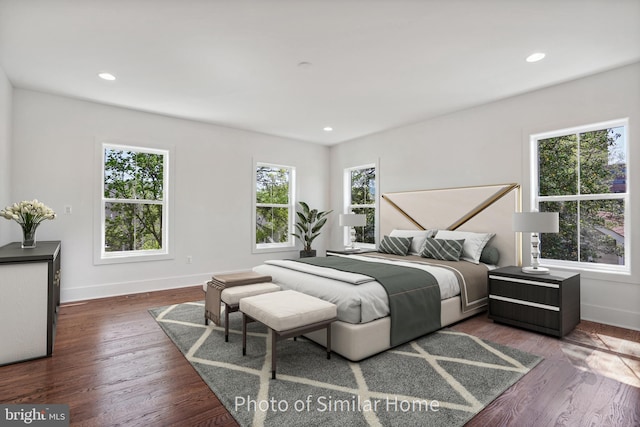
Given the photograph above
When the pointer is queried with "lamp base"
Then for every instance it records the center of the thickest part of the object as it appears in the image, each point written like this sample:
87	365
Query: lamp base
538	270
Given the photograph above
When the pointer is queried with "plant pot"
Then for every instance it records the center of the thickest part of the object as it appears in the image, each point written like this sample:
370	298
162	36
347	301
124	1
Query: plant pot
307	254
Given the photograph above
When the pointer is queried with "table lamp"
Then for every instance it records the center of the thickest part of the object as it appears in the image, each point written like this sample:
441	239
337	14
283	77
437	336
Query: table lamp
352	220
535	223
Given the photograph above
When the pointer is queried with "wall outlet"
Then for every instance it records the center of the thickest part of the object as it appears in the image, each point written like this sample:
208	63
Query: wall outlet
189	259
67	209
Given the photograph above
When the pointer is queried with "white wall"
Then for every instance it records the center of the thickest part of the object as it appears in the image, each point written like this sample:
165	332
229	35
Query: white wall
489	145
6	93
52	156
53	160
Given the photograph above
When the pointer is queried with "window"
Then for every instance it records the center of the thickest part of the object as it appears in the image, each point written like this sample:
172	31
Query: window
360	198
581	173
134	202
274	206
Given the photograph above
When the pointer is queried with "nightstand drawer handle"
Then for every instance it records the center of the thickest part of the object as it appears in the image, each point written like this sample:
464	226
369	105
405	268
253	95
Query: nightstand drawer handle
529	303
527	282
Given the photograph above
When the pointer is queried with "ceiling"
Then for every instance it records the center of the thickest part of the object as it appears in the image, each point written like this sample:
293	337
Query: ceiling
291	68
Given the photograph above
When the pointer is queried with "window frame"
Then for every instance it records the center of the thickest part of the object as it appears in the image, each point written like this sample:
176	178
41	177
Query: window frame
535	198
348	206
100	255
291	242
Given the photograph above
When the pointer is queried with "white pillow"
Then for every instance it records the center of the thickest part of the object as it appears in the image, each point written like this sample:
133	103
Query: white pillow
473	242
419	236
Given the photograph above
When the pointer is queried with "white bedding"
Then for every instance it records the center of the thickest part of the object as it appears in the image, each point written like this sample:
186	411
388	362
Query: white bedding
359	298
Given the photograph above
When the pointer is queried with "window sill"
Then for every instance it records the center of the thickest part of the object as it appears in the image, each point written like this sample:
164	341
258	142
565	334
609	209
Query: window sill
122	259
271	249
623	276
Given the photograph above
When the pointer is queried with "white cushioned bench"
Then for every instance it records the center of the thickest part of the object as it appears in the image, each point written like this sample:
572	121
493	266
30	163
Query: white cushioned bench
214	287
231	298
287	314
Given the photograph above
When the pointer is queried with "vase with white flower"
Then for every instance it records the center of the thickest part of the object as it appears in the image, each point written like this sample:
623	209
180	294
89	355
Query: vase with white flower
29	214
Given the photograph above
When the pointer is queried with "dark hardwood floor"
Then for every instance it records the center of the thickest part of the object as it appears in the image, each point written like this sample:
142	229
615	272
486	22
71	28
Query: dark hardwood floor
589	378
113	365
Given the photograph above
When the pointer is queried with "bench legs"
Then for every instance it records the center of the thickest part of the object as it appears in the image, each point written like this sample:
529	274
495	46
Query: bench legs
228	309
329	341
226	322
276	336
274	340
244	334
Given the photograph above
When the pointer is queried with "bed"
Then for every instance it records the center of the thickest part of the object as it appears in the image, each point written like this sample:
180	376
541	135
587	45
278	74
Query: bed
370	317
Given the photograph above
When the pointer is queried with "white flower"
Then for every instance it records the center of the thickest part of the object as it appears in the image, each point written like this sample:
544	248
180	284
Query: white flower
28	213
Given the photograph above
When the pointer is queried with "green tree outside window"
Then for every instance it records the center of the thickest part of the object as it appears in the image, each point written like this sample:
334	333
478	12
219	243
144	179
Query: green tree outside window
273	204
363	201
582	176
133	196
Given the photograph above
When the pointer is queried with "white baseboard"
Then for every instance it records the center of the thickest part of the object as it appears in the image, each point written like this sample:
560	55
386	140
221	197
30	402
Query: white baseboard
611	316
135	287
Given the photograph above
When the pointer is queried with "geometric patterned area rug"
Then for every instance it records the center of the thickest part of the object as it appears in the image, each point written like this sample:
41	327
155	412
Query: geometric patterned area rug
441	379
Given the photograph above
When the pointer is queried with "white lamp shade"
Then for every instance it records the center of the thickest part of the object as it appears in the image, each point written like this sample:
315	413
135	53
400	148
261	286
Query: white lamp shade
536	222
352	220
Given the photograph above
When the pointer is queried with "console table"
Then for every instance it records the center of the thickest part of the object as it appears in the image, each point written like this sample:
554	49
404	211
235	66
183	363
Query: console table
29	300
548	303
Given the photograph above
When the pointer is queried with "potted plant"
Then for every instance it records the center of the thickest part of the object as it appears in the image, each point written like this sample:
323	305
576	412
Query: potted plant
308	227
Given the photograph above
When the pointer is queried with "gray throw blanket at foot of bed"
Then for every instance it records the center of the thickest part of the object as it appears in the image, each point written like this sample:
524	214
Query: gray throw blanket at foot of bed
414	295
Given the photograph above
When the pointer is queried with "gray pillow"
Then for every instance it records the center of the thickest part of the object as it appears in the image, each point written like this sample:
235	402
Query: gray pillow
395	245
490	255
443	249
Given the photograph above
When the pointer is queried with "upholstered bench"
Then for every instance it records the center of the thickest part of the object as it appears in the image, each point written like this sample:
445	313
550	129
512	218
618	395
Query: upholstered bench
214	287
287	314
231	298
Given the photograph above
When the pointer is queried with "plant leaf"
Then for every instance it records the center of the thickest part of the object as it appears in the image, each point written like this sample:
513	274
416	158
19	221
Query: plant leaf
319	225
305	208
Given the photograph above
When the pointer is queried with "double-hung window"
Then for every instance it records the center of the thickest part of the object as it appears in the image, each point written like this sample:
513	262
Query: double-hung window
360	198
274	209
134	207
581	173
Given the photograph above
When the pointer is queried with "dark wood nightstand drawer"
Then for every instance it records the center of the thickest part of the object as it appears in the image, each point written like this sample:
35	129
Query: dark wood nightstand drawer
525	290
527	314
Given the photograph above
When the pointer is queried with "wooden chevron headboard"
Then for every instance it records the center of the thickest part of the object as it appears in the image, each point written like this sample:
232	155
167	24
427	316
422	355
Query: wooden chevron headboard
486	208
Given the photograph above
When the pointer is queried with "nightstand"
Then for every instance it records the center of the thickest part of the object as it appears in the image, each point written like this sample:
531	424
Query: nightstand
348	252
547	303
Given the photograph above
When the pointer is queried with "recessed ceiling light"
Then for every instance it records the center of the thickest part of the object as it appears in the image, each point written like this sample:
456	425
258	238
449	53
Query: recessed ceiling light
327	128
535	57
107	76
